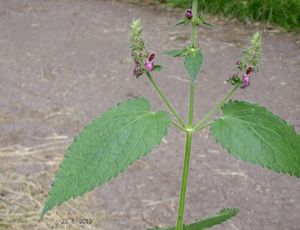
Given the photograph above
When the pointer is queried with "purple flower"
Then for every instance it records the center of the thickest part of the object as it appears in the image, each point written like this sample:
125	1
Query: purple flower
149	64
249	70
189	14
246	81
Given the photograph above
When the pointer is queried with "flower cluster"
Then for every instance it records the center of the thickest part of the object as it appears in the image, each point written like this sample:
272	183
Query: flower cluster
248	64
138	49
143	62
252	54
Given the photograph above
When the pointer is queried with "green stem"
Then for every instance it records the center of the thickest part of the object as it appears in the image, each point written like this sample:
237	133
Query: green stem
215	109
188	144
189	131
203	126
195	14
168	104
191	104
185	173
178	126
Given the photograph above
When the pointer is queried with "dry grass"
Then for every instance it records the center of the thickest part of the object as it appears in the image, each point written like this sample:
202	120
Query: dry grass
25	177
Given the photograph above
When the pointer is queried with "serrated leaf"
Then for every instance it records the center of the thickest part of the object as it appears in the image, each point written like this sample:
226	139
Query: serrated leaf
193	62
251	133
219	218
173	53
106	147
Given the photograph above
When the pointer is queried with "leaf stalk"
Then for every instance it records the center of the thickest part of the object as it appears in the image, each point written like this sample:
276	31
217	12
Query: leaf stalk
165	99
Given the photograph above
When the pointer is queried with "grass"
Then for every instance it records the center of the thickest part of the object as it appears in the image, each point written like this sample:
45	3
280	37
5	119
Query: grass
22	196
283	13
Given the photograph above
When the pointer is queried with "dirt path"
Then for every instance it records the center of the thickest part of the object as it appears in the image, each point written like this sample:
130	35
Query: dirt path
64	62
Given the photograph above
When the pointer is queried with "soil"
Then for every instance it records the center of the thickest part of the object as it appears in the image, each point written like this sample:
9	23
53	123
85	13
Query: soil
63	62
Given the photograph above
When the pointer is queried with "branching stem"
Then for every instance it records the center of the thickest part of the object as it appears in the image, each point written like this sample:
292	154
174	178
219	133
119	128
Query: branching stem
217	108
178	126
189	134
165	99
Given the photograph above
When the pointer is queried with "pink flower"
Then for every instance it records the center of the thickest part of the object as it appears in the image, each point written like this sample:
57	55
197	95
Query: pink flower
149	64
189	14
246	81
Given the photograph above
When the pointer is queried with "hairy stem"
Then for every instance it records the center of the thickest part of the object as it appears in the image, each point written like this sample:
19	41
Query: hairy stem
168	104
215	109
189	129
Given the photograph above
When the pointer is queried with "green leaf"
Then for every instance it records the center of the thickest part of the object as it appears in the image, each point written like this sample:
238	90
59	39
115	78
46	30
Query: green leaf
201	21
157	68
157	228
173	53
252	133
193	62
219	218
106	147
208	24
181	22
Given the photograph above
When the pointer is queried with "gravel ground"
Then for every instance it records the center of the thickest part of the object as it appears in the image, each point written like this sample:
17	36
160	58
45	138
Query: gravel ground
64	62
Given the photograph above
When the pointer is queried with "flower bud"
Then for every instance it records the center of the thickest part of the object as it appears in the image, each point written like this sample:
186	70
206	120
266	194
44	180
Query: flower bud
151	57
189	14
234	79
249	70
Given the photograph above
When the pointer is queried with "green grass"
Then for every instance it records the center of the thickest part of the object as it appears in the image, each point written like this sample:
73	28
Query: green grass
284	13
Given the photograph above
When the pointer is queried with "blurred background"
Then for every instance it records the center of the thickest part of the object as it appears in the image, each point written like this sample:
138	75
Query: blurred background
64	62
285	14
